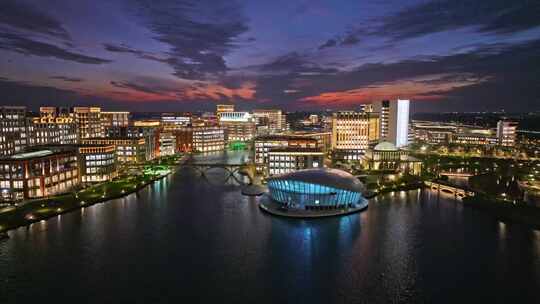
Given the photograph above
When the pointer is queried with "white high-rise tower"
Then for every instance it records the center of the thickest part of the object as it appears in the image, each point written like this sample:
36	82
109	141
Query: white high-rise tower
399	122
394	121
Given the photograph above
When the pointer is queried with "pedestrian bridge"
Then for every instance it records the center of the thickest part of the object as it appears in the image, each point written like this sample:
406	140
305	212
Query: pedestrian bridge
450	189
233	171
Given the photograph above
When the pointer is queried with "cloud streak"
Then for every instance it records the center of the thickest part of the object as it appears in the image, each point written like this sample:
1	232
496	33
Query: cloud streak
199	32
26	46
20	15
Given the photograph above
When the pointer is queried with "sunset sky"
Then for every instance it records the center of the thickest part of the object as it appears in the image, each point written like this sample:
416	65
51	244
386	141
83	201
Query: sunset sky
143	55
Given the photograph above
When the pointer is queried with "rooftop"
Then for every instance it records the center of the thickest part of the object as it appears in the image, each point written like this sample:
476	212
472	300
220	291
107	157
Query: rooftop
385	146
33	154
325	176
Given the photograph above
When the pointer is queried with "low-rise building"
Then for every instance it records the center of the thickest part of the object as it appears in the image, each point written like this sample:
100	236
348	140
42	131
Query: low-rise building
167	143
263	144
16	130
208	139
38	173
290	159
239	126
324	139
129	150
97	163
49	130
386	157
114	119
149	133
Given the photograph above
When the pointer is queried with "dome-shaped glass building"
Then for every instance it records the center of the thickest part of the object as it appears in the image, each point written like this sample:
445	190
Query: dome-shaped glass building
317	189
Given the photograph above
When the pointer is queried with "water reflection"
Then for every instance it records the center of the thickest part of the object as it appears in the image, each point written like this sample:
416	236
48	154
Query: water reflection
186	239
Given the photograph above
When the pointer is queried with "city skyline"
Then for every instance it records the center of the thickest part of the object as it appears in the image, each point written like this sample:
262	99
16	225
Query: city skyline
293	55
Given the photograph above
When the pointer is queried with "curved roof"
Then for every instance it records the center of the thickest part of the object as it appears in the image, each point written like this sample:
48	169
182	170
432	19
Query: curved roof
328	177
385	146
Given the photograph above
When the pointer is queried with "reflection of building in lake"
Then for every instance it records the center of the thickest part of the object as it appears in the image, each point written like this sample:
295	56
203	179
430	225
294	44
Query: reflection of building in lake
386	156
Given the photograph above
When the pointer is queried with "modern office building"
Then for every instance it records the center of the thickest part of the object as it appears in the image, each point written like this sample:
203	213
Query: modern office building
385	156
383	108
263	144
208	139
352	132
114	119
274	120
200	138
173	121
16	130
97	163
54	112
151	123
52	130
394	121
474	137
324	138
129	150
317	189
184	139
506	133
89	123
290	159
167	143
38	173
239	126
150	133
433	133
314	119
224	108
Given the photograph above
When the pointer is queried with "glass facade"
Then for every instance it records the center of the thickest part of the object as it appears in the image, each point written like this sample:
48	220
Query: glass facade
302	195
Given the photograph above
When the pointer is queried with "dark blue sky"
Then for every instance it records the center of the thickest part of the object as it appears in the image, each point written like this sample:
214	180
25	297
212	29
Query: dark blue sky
143	55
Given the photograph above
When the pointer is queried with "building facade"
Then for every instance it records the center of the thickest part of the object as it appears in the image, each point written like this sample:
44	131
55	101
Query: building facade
239	126
129	150
16	130
173	121
352	132
263	145
97	163
167	143
394	121
273	120
290	159
89	123
385	156
115	119
506	133
224	108
38	174
208	139
50	130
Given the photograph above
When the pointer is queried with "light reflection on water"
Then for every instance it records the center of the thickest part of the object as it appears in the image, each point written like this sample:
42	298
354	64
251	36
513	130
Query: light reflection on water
183	239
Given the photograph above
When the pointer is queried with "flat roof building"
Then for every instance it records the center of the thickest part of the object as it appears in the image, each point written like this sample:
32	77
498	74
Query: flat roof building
38	173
